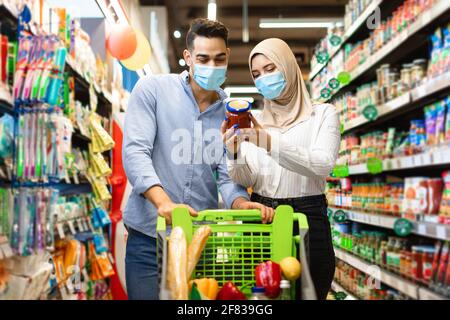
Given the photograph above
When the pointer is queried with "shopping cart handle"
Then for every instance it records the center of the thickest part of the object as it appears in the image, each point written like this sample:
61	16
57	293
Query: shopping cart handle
228	215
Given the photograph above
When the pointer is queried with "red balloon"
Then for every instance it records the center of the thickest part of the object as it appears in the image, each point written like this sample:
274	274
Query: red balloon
122	41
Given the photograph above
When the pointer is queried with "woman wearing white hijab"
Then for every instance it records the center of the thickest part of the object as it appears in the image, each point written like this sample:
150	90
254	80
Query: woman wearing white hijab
291	149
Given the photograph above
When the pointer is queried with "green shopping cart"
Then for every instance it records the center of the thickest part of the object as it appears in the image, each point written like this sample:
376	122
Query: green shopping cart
237	244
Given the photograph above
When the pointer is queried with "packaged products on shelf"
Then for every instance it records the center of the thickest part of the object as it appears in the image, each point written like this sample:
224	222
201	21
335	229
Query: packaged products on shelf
396	81
362	285
414	198
43	144
412	260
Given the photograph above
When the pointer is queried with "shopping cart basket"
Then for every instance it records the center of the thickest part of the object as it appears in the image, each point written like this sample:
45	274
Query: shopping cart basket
237	244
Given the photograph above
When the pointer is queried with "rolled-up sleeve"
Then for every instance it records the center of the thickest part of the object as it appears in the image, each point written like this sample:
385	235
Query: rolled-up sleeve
139	135
229	190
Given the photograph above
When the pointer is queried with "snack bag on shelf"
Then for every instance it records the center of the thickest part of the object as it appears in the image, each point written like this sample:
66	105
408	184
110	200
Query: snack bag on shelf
430	123
440	122
447	120
444	210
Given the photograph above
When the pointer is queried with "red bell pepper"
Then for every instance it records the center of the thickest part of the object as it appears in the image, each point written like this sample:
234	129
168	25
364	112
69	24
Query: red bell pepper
230	292
268	276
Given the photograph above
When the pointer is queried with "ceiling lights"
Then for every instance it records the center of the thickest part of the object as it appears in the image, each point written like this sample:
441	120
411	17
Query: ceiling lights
212	10
298	23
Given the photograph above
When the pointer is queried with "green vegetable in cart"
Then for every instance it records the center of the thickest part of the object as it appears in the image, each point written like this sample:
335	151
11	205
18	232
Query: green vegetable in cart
291	268
268	275
230	292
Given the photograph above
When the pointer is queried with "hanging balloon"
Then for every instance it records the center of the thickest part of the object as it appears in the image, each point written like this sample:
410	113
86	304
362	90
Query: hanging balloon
142	55
122	42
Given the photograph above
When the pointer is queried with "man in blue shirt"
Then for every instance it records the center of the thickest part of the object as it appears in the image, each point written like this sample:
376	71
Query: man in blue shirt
173	151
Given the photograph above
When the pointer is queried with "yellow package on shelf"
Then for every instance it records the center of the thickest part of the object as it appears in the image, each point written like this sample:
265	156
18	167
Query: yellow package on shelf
102	189
105	141
99	186
96	147
101	165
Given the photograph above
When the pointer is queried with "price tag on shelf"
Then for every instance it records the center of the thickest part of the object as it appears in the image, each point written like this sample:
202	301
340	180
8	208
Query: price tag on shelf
441	232
418	160
406	162
60	230
446	155
437	156
422	229
426	159
71	227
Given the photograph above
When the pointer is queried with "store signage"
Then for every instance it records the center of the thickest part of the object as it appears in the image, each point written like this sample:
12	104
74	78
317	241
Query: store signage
370	113
322	57
403	227
341	171
335	40
374	166
340	216
334	83
344	77
325	93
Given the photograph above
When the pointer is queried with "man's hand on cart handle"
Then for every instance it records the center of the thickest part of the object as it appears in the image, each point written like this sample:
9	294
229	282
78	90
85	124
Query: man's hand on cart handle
164	204
267	213
167	208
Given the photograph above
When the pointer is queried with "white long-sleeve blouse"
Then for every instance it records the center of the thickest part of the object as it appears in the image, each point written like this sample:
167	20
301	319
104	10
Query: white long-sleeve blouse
300	158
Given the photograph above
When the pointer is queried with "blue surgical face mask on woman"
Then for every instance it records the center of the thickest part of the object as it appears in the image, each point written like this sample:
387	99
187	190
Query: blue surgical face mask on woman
271	85
210	78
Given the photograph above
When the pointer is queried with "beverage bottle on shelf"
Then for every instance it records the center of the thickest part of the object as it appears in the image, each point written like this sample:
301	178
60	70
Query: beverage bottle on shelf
285	294
383	253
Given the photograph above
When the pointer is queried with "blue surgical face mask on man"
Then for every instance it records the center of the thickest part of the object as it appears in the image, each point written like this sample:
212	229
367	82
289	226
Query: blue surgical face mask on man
271	85
210	78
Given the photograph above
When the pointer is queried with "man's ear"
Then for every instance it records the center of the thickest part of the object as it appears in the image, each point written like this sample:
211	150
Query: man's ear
187	57
228	52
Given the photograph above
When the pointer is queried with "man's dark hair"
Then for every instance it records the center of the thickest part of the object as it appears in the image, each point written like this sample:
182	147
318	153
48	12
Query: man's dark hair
206	28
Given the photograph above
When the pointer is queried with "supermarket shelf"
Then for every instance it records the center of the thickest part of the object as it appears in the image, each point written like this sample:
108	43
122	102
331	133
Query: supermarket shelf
78	139
410	289
86	83
422	21
348	34
426	90
434	157
426	229
431	87
336	287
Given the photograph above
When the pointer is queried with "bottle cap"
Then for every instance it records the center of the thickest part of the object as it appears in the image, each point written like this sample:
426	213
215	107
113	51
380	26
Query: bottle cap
285	284
258	290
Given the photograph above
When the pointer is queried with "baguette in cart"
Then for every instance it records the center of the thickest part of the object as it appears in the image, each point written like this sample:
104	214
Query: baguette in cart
218	251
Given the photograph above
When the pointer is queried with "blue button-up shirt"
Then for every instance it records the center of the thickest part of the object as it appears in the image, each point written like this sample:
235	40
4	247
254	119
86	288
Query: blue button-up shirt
168	142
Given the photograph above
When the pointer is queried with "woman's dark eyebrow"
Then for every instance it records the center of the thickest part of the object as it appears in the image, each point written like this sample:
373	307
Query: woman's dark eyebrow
270	64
